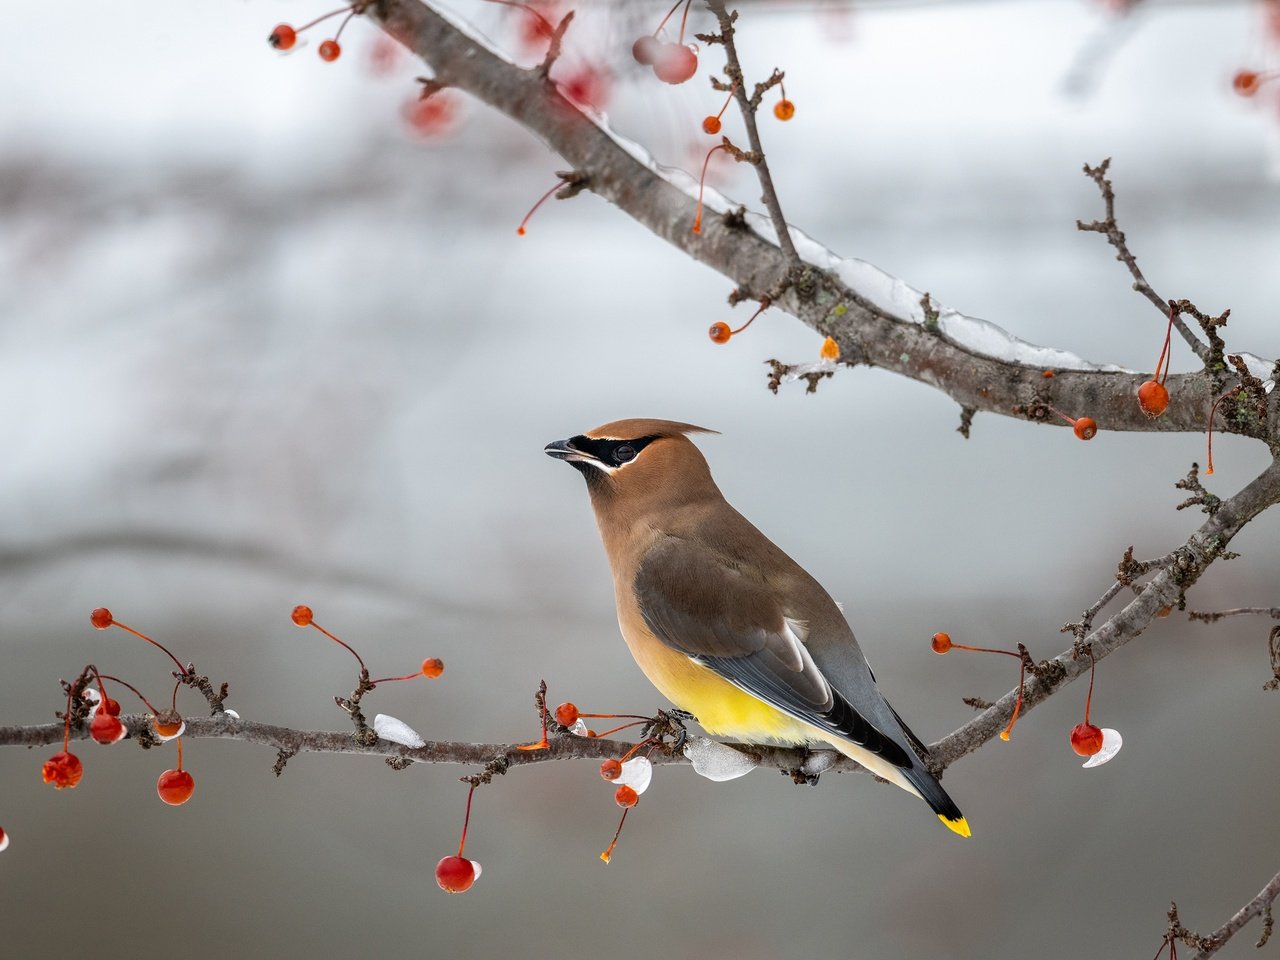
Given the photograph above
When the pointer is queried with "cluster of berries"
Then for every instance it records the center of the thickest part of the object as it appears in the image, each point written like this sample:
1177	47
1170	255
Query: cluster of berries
1096	744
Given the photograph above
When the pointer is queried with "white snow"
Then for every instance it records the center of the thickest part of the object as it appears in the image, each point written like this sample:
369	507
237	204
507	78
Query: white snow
636	774
1111	744
397	731
717	762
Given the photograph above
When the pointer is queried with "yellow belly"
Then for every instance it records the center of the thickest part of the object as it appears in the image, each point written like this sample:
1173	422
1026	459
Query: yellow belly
721	708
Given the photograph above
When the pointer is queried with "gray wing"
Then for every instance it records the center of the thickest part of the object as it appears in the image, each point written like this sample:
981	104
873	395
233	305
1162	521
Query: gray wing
724	616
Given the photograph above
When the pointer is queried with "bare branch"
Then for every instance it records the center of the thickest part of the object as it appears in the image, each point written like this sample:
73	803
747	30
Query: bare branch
1205	545
1111	230
1258	906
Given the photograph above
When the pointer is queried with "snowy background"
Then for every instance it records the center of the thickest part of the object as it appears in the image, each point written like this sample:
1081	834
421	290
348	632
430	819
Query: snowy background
262	345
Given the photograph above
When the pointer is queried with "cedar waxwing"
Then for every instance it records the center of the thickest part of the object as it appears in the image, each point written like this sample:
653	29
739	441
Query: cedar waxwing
726	625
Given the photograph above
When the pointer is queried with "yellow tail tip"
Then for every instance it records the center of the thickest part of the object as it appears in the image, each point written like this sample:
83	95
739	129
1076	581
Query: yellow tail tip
960	826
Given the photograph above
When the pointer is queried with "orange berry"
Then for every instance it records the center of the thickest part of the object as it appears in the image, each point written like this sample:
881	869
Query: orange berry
330	51
63	769
432	667
626	796
1048	374
566	714
105	728
711	125
168	724
1086	428
1246	82
455	874
611	769
1086	739
720	332
101	618
784	109
175	787
1153	398
302	615
830	350
941	642
283	37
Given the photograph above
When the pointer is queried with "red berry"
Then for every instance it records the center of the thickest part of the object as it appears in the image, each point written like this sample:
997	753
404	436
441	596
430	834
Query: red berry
1153	398
941	642
62	770
175	787
433	116
626	796
611	769
1246	82
4	839
455	874
111	705
302	615
167	724
566	714
330	51
1086	739
784	109
675	63
720	332
587	87
101	618
283	37
432	667
106	728
711	125
645	50
1086	428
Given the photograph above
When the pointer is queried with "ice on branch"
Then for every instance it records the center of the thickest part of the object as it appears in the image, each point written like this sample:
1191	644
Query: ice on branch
636	774
1111	744
717	762
397	731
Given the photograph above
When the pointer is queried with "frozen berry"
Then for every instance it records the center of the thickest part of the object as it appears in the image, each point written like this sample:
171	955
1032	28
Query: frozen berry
611	769
432	667
456	874
1153	398
1086	739
626	796
675	63
566	714
330	51
283	37
175	787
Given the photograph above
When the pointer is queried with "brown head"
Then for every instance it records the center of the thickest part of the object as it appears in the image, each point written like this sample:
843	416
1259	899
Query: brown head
634	467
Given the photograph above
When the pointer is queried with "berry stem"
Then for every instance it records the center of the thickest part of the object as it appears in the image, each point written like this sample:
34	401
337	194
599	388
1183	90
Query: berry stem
702	182
125	683
625	726
533	11
154	643
331	13
1166	352
684	19
668	17
617	833
364	671
560	184
342	26
66	731
466	820
179	754
1007	653
1088	700
173	700
1208	470
411	676
1017	706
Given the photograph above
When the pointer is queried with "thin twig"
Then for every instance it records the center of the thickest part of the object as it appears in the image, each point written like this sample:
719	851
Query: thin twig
1111	230
747	106
1259	905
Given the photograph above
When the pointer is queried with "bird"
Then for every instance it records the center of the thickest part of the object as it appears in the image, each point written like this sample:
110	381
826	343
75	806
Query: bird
724	623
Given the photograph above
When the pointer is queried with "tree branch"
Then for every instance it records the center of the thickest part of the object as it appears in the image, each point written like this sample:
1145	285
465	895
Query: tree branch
872	316
1259	905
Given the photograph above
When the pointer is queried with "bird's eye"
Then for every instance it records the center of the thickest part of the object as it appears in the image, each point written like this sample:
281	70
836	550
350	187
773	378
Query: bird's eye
624	453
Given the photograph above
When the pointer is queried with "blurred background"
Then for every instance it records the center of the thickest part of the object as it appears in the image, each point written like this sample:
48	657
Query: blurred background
268	337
